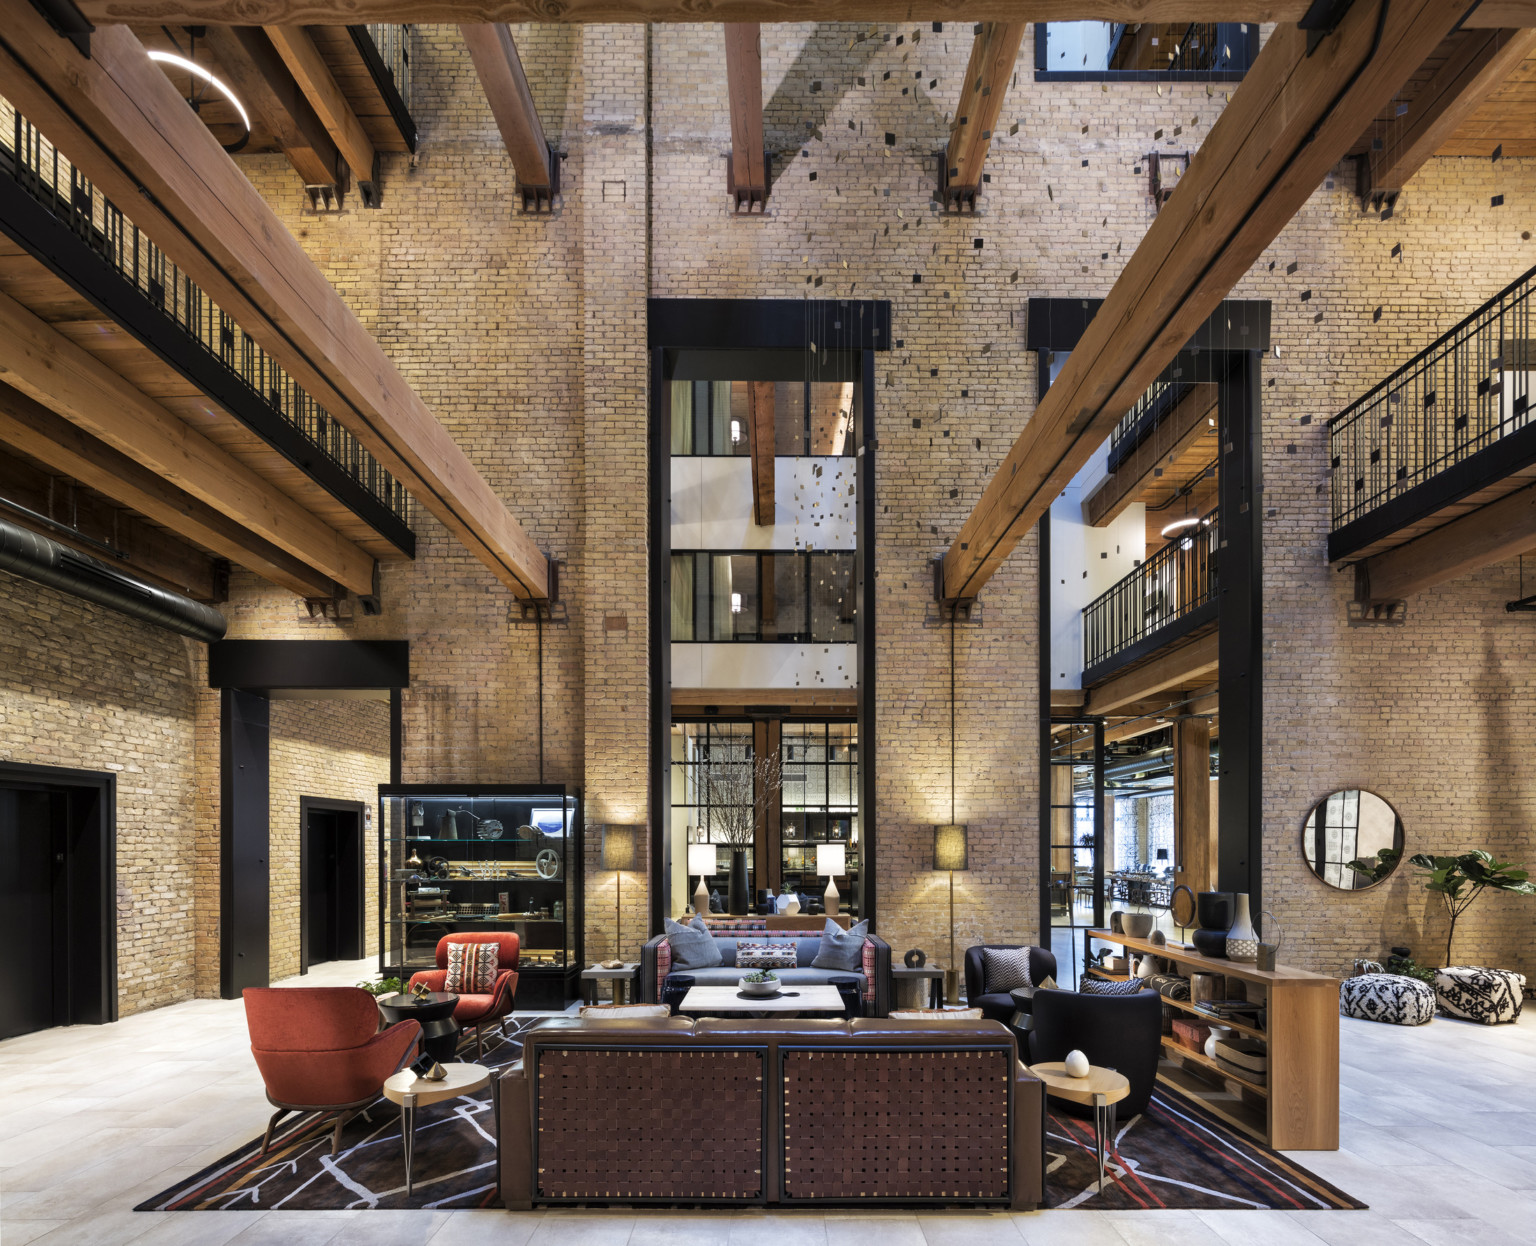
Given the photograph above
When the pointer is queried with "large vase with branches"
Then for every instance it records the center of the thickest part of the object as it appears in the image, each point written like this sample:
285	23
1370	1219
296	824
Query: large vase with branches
738	790
1459	880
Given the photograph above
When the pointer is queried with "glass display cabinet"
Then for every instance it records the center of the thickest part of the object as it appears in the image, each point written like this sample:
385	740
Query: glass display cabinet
482	857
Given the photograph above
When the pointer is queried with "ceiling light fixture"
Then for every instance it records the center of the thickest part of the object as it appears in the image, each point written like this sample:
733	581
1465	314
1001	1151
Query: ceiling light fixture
197	71
1178	525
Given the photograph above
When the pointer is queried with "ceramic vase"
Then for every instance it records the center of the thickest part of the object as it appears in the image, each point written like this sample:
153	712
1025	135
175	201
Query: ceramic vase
738	882
1219	1034
1242	938
1076	1064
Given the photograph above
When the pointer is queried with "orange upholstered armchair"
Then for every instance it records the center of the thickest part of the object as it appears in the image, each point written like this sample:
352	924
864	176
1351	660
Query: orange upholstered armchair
477	1010
320	1049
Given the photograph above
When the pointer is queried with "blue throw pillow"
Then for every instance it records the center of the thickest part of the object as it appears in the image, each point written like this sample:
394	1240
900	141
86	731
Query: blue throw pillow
841	949
693	947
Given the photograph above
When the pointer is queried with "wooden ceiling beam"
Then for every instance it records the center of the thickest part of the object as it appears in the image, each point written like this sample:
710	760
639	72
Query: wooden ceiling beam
760	429
64	447
748	163
1289	122
1480	62
457	12
517	117
121	122
1495	533
45	365
1175	668
738	698
262	81
1174	434
987	75
315	80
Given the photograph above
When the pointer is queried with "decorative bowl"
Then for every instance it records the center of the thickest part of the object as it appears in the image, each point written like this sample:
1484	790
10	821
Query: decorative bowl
768	987
1137	925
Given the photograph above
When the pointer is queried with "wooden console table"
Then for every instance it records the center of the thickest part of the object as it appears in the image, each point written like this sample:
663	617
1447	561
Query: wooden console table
1297	1107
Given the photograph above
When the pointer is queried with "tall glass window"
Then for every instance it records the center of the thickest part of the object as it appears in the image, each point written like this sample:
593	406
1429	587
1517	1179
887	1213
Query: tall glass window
810	418
820	803
788	597
1145	51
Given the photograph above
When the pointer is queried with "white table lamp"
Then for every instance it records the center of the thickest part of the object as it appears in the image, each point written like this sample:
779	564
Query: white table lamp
830	861
701	861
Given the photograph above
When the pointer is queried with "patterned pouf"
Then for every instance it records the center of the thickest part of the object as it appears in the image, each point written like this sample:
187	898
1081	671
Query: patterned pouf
1474	993
1388	997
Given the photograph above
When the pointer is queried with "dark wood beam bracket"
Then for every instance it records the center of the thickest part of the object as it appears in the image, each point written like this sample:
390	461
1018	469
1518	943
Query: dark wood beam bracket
746	169
987	76
535	162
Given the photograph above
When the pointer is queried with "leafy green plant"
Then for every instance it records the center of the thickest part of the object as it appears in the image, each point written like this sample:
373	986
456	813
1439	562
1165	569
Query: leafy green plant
1385	862
1459	880
384	986
762	975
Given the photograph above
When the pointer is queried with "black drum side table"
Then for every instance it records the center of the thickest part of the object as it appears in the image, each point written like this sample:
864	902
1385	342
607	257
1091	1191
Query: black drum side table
439	1031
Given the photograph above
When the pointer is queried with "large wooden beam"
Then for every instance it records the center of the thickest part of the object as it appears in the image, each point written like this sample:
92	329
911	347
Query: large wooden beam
760	429
1498	532
987	75
1292	118
1174	434
30	427
1177	667
744	89
315	79
506	90
1194	830
121	122
1481	61
319	12
262	81
45	365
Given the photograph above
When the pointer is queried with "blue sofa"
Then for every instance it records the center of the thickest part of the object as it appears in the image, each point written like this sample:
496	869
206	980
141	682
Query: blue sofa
874	973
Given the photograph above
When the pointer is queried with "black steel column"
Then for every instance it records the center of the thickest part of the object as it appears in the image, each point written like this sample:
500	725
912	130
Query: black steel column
660	634
244	818
1240	614
396	735
864	605
1043	684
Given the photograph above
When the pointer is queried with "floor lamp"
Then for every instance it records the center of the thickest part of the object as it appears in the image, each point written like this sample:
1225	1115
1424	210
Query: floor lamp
949	854
621	847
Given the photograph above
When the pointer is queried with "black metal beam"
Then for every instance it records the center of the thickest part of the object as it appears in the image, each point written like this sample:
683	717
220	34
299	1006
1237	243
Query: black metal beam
1235	325
771	324
244	842
385	81
315	665
659	634
1043	722
74	261
1240	647
864	655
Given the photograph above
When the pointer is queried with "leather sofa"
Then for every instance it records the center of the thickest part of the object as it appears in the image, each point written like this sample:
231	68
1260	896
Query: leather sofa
787	1113
874	971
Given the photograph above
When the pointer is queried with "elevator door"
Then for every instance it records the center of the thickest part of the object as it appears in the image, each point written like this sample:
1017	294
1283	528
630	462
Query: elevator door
332	886
32	932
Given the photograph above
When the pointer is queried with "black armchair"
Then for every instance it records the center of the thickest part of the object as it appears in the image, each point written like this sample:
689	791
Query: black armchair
1120	1032
1000	1005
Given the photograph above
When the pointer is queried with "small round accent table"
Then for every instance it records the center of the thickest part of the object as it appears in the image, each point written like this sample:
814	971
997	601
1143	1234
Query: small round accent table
439	1031
411	1092
1101	1089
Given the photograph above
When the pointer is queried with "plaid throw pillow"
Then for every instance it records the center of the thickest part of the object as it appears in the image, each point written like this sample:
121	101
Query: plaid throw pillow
472	968
765	956
1102	986
1005	969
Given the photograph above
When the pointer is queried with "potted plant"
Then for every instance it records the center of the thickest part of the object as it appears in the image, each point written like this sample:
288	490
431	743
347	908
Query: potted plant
1459	880
382	986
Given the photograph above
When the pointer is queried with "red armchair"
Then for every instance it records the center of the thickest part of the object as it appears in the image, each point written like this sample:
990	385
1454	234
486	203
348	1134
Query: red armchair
477	1010
320	1049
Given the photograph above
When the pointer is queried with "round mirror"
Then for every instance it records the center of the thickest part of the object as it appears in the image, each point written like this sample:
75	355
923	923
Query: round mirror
1352	839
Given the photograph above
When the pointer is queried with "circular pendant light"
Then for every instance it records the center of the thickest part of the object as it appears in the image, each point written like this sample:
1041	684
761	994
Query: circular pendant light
197	71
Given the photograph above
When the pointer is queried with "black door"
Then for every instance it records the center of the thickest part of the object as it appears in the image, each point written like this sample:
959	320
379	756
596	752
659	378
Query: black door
32	912
332	886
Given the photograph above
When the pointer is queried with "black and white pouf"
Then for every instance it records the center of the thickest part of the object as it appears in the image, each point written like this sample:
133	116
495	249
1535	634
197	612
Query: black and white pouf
1387	997
1476	993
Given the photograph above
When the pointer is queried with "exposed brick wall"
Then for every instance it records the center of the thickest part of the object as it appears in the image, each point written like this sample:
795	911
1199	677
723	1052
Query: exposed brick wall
84	688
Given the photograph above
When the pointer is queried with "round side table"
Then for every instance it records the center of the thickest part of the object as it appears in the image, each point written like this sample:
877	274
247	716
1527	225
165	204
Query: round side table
1102	1089
411	1092
439	1031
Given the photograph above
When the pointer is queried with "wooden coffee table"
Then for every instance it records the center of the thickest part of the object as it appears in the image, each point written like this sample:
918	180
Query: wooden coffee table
410	1092
716	1000
1102	1089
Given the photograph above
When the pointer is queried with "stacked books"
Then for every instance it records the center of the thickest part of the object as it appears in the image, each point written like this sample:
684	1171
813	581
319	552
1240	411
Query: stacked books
1246	1058
1247	1011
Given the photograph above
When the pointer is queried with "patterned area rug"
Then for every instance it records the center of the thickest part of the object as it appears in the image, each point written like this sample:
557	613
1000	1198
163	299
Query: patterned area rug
1176	1155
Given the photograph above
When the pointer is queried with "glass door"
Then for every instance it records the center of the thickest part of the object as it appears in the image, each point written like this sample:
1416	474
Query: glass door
1074	875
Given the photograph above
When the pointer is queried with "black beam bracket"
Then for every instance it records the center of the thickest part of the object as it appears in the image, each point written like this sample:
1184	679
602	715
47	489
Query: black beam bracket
68	22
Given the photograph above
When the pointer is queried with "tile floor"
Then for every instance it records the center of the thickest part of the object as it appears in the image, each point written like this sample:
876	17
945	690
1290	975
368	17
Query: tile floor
1438	1136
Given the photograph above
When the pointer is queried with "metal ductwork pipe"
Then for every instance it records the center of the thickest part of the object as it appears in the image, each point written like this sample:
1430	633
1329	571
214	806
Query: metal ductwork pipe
34	557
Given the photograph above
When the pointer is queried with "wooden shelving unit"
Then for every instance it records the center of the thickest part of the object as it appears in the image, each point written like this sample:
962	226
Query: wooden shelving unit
1297	1109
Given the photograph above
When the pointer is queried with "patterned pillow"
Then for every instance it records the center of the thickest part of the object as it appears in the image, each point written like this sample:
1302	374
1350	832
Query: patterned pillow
1102	986
936	1014
472	968
765	956
1005	969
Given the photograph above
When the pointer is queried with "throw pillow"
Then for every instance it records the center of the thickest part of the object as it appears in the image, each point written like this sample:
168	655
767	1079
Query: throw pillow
841	949
693	947
472	968
1004	969
1102	986
936	1014
623	1012
765	956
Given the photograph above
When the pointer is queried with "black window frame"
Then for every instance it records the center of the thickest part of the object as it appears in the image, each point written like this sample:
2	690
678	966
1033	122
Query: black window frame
851	444
1249	35
806	634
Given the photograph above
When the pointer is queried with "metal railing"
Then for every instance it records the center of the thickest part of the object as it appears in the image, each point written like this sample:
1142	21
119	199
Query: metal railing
48	177
1160	398
393	44
1468	389
1177	580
